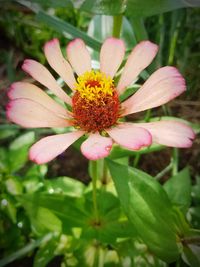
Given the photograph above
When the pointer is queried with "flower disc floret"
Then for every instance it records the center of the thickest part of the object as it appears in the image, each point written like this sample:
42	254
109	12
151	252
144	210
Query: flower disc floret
95	103
93	85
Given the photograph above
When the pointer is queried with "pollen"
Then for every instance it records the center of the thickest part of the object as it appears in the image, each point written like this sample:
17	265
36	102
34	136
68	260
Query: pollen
95	104
92	85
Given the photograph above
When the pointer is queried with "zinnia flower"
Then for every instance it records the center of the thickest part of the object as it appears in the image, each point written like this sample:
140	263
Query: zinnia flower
96	110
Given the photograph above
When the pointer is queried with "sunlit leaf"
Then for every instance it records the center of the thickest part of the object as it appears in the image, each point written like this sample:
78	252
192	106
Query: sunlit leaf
178	189
148	208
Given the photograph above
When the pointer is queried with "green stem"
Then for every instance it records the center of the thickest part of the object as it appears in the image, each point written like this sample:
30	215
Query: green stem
136	160
94	174
117	25
147	115
175	161
105	174
164	171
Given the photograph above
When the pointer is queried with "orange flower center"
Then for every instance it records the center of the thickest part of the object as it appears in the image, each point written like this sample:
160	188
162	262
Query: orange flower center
95	104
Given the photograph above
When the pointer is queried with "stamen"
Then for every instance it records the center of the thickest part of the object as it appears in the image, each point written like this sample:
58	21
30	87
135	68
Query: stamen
93	84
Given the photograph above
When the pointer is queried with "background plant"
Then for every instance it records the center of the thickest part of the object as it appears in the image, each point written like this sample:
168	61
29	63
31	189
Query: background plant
48	217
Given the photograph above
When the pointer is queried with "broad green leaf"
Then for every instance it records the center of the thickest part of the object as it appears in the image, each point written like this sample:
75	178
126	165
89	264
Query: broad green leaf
22	140
134	8
43	220
13	186
69	210
37	170
65	185
148	208
18	151
119	152
32	184
139	28
8	130
103	7
111	225
66	28
178	189
144	8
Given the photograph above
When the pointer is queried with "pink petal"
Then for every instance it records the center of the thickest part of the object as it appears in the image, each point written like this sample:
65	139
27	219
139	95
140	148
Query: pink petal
111	56
32	92
96	147
28	113
42	75
79	56
170	133
140	57
163	85
58	63
130	136
51	146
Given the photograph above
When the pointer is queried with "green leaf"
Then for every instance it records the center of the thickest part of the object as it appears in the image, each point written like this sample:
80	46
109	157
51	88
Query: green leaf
119	152
65	185
18	151
69	210
111	225
148	208
53	3
178	189
103	7
191	255
46	253
144	8
100	28
66	28
138	252
13	186
8	206
25	250
22	140
44	220
196	191
134	8
3	160
8	130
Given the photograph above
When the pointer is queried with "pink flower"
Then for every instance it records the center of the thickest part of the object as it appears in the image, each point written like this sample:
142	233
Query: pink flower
95	107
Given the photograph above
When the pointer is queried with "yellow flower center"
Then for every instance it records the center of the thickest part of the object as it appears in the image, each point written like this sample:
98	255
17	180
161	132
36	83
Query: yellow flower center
93	85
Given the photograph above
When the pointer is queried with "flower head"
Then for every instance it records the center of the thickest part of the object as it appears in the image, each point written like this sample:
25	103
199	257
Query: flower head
96	110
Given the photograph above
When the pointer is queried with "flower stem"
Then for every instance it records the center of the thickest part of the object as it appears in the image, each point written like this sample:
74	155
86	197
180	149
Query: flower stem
175	161
117	25
164	171
94	174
